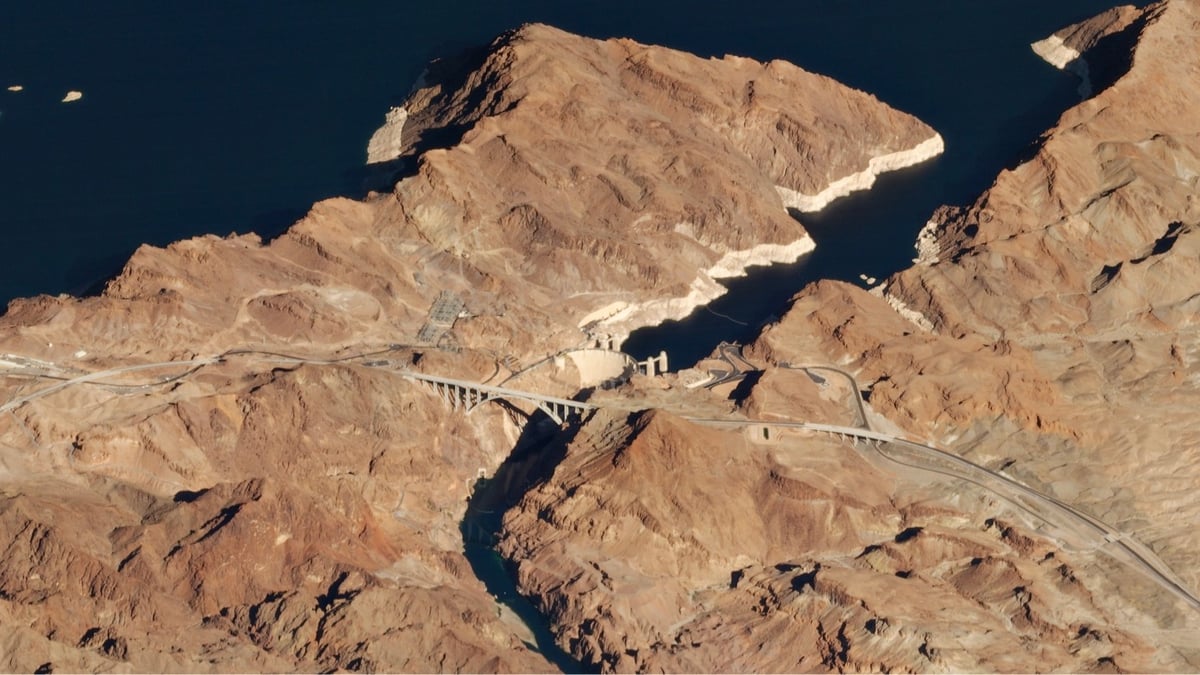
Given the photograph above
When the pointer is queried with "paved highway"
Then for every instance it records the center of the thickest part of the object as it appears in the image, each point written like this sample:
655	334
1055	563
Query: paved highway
1046	508
890	447
492	392
855	390
729	353
1043	507
95	378
190	365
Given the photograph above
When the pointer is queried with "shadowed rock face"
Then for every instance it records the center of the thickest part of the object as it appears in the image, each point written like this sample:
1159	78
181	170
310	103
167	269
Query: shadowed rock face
261	512
656	550
1098	50
302	538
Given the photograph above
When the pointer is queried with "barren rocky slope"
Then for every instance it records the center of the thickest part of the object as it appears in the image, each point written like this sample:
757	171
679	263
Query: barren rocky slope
1048	334
214	465
555	169
1084	261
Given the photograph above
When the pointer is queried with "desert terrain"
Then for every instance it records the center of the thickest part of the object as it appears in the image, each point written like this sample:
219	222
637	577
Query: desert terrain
267	455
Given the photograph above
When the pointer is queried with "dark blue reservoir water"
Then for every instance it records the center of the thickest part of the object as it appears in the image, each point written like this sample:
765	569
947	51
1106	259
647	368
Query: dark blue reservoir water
223	116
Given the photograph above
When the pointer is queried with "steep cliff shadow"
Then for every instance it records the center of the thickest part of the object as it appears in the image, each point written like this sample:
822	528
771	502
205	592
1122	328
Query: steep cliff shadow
1028	131
271	224
378	177
541	447
1112	56
451	74
745	386
1107	61
89	278
429	130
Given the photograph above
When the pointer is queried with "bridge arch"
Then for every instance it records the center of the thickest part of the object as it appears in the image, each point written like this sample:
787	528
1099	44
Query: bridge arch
470	395
555	412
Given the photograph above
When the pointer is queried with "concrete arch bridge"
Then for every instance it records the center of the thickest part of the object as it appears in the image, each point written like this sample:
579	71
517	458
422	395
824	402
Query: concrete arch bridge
467	396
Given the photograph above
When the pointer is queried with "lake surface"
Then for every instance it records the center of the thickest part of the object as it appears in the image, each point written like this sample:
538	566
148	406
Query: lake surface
216	117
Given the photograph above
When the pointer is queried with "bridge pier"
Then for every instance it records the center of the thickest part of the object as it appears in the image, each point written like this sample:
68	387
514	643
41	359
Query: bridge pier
466	396
553	411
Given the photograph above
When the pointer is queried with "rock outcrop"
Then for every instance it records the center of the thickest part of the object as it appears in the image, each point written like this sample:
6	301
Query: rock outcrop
1082	260
1095	49
656	550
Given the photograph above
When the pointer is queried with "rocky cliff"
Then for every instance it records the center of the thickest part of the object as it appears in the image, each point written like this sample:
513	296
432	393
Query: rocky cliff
1083	262
640	174
216	464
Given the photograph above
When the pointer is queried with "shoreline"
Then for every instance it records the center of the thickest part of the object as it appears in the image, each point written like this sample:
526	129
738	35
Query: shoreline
625	318
387	143
862	180
1054	51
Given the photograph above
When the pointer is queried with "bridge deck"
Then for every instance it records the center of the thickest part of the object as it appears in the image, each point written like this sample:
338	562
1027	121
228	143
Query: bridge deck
498	392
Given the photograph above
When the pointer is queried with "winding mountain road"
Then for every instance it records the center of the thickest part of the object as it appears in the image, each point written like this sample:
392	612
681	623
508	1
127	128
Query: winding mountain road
856	398
97	377
890	447
191	366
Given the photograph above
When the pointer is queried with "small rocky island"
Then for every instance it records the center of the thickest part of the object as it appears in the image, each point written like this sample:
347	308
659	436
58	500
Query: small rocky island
250	455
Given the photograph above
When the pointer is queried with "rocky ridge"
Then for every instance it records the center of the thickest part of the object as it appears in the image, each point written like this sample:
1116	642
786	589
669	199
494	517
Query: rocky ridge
1082	261
575	127
1107	38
